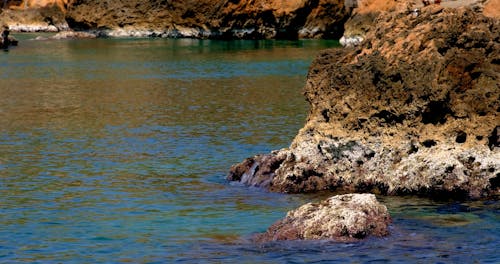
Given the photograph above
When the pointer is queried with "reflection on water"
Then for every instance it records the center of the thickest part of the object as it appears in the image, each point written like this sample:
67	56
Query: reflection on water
116	150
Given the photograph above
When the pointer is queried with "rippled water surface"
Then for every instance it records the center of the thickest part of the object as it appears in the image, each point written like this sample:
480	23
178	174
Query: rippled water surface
115	150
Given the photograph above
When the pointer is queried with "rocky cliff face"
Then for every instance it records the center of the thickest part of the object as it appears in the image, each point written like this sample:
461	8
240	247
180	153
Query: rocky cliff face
25	4
34	15
363	16
209	18
229	19
414	110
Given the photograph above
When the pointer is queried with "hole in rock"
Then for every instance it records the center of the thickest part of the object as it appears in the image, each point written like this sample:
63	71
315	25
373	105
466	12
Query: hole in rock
493	139
389	117
324	113
370	154
413	149
436	113
461	137
495	182
429	143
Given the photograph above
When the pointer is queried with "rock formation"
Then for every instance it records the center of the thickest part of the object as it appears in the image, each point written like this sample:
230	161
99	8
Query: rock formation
184	18
34	15
68	35
414	110
347	217
363	16
27	4
211	18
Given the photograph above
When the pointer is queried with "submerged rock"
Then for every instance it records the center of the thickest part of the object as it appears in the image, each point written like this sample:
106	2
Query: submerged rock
413	110
346	217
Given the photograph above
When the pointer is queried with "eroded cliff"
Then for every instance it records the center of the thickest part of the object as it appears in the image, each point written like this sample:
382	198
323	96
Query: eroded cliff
34	15
363	16
414	110
209	18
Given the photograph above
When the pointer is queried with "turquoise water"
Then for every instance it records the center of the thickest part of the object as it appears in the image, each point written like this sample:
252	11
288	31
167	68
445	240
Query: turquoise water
115	150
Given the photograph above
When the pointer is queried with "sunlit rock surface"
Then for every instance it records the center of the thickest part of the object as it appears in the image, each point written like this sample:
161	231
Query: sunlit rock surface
211	19
34	15
413	110
348	217
364	15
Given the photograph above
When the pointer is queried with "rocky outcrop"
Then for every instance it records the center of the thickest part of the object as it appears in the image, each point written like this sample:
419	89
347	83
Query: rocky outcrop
348	217
185	18
49	18
210	18
414	110
364	15
34	4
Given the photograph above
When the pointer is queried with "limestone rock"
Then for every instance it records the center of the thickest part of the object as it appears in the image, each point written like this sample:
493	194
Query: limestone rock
211	18
34	4
47	19
413	110
364	16
491	8
346	217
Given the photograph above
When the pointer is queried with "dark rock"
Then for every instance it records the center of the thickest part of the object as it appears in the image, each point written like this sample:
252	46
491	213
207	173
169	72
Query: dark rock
257	171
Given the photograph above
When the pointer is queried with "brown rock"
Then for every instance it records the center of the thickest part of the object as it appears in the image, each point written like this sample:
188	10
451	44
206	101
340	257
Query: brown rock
364	17
346	217
34	4
48	18
414	110
492	8
211	18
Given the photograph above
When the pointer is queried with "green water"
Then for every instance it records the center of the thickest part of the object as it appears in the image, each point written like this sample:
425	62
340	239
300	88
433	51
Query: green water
115	150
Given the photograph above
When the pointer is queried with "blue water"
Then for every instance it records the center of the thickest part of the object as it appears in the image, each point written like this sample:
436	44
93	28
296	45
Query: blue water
116	150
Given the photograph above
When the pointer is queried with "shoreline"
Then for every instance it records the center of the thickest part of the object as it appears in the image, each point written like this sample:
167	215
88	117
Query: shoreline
193	33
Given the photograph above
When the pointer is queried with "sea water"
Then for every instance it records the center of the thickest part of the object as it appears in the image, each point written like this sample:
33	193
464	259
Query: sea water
116	150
